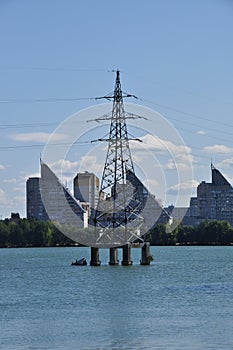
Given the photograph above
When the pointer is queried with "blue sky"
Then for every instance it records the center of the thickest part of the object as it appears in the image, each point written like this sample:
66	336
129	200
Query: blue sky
175	55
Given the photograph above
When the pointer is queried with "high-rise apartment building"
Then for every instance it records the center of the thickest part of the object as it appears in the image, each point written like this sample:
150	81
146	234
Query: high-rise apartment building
34	204
49	199
86	190
214	200
60	204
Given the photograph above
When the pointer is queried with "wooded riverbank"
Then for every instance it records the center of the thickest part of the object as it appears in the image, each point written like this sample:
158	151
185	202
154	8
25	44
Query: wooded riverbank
32	233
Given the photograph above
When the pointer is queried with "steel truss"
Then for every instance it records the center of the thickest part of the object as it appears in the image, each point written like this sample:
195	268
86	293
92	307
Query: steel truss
117	215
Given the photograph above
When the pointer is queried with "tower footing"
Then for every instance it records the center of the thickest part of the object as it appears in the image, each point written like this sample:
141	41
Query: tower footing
95	257
146	257
113	252
126	249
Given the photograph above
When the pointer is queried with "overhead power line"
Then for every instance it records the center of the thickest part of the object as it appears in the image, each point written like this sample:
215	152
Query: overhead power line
185	113
187	122
74	99
25	125
25	147
82	143
53	69
167	85
173	87
41	100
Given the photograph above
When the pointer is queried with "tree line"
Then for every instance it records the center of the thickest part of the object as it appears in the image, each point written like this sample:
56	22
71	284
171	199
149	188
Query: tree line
32	233
208	232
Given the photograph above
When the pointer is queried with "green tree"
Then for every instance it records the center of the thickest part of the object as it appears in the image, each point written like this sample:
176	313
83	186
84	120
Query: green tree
16	235
4	234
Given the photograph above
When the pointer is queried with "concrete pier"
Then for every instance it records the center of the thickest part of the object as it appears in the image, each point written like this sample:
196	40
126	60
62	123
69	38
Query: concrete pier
126	255
113	255
146	257
126	250
95	257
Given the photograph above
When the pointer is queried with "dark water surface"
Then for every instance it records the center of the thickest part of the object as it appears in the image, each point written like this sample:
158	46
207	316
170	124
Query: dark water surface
184	300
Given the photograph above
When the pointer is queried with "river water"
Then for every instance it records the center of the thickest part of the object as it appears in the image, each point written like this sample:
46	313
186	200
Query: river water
182	301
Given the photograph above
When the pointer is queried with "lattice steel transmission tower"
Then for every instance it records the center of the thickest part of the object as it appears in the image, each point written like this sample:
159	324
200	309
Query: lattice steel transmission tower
117	217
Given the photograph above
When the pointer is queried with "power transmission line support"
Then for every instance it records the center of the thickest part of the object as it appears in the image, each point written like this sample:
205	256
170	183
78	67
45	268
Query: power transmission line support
114	216
117	218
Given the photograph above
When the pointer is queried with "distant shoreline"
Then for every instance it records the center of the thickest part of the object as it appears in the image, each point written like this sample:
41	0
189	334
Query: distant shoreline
75	245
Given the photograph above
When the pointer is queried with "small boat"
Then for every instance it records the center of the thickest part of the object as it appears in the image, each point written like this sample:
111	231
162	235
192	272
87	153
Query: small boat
79	262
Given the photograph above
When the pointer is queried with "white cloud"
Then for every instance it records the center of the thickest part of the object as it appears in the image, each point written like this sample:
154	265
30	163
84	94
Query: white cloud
170	165
152	183
66	165
24	176
91	163
6	202
218	149
178	154
225	164
9	181
18	189
183	188
180	162
9	196
66	169
38	137
156	143
2	196
2	167
19	199
201	132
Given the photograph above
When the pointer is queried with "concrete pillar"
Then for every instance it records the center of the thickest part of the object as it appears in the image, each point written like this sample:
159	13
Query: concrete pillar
146	257
95	257
126	249
113	254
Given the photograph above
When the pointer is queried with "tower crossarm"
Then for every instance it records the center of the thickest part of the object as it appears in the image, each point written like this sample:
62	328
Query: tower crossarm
109	117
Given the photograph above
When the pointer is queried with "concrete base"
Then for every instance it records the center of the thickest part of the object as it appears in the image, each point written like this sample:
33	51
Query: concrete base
146	257
113	254
95	257
126	249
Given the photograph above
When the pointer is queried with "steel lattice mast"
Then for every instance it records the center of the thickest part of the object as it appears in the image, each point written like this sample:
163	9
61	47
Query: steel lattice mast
115	211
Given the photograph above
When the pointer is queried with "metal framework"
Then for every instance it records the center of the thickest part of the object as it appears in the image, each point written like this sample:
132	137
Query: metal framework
118	209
